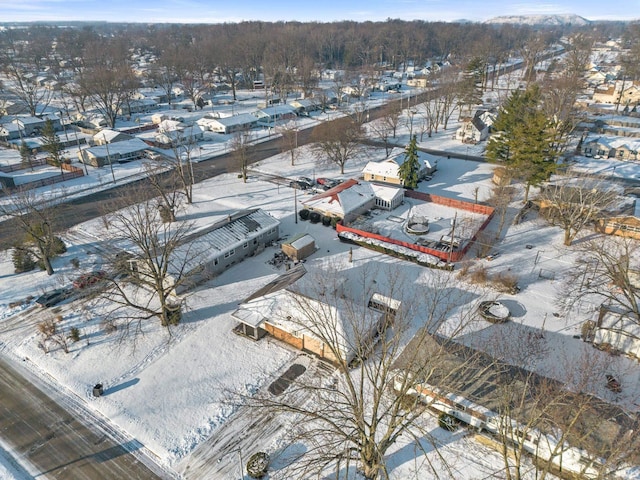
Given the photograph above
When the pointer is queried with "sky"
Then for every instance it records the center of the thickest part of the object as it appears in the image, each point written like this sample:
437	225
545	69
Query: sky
208	11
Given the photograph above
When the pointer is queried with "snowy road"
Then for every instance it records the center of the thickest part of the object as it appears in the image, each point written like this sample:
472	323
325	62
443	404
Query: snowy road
54	441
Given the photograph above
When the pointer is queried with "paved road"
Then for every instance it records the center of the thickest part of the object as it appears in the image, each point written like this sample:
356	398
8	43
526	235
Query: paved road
53	442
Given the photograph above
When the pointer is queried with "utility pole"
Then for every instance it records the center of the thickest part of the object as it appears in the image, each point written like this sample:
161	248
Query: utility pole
106	144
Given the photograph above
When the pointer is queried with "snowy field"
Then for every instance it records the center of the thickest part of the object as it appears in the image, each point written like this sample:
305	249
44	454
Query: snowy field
169	393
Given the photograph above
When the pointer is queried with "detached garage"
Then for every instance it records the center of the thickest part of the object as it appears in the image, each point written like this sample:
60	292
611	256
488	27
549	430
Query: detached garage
299	247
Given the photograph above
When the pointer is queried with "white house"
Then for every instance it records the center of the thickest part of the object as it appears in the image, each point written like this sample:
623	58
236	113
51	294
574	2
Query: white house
476	129
295	309
387	198
346	201
108	135
388	170
269	116
235	123
119	152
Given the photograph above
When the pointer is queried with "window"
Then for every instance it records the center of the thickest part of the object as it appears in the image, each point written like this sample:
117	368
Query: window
229	253
246	245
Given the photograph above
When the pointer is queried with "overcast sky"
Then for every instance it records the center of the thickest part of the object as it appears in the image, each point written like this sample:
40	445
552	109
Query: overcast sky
217	11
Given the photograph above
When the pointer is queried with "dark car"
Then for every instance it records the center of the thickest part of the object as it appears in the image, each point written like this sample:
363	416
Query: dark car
306	180
300	185
330	182
52	298
88	279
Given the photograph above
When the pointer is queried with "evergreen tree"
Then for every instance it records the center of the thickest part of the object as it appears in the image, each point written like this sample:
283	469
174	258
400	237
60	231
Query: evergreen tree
51	143
26	155
23	260
410	169
524	141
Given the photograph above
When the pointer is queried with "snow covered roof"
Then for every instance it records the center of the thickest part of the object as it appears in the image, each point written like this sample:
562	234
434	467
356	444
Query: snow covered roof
242	119
108	135
385	192
229	233
389	167
301	241
343	199
289	304
122	148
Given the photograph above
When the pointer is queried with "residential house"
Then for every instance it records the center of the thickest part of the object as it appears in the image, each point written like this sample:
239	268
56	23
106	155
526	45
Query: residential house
158	118
295	311
7	107
171	138
624	93
110	136
388	170
32	126
418	82
597	147
119	152
10	131
303	106
170	125
235	123
387	198
141	105
621	225
473	130
227	242
268	117
347	201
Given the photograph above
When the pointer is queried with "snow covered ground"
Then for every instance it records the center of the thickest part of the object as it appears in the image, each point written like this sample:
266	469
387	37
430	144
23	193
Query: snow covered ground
170	393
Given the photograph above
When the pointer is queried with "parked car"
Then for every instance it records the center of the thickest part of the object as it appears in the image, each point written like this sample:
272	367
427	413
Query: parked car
88	279
300	185
306	180
52	298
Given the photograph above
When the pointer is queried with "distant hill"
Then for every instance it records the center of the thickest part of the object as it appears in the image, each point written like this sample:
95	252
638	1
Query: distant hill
541	20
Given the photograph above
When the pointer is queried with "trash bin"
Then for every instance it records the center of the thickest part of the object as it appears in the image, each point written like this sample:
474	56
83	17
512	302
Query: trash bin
97	390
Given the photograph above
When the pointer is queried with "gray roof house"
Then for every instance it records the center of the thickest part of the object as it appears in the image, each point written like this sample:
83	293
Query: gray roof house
119	152
210	251
235	123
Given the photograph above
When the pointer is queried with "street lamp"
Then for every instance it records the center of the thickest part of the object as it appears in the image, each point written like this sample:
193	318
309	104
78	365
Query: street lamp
239	450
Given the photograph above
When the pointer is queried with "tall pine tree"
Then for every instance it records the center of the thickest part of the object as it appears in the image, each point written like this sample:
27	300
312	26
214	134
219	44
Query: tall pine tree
524	141
51	143
409	171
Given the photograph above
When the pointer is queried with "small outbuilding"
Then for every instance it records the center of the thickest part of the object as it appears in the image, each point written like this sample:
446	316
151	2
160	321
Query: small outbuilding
299	247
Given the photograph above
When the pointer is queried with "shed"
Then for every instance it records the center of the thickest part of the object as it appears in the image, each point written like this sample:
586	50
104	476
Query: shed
299	247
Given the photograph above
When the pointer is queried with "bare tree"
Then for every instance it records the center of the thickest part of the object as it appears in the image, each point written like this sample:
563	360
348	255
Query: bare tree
20	61
390	118
108	79
165	260
574	205
337	142
164	181
289	139
356	417
607	268
240	143
35	220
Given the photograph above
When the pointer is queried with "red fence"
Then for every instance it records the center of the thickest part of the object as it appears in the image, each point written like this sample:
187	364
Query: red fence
455	256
